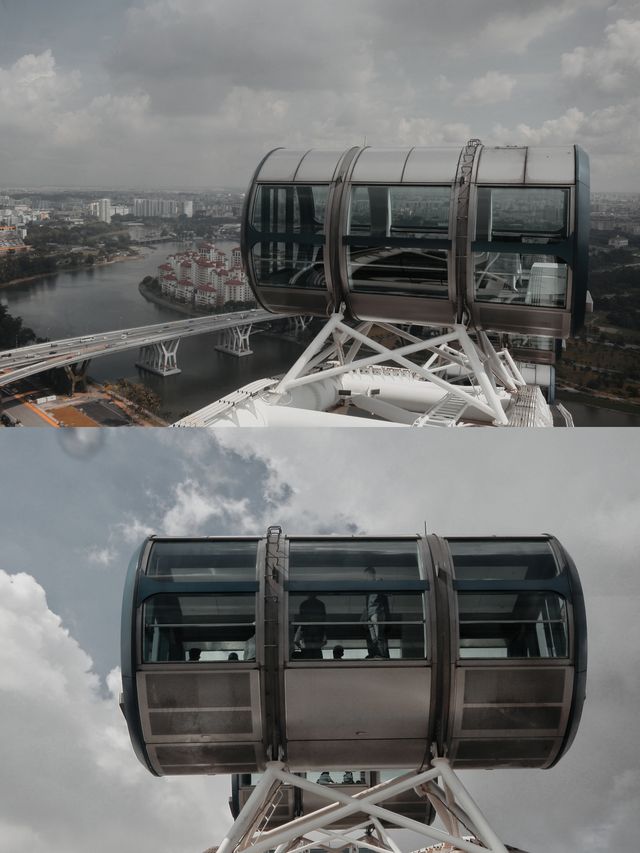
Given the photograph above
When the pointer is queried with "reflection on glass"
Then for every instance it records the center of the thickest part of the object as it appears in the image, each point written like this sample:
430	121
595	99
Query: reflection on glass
290	209
399	211
403	270
525	214
343	560
373	624
199	628
289	265
533	342
502	559
204	560
504	277
512	625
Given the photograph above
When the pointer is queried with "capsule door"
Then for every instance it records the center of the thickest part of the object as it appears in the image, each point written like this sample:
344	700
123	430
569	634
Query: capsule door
514	693
284	237
196	671
395	227
357	640
528	241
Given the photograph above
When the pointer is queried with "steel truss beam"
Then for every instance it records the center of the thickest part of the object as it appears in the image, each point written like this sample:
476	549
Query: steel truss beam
475	361
453	803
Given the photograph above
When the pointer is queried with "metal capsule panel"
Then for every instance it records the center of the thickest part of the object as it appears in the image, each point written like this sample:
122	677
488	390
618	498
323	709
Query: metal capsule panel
359	654
495	236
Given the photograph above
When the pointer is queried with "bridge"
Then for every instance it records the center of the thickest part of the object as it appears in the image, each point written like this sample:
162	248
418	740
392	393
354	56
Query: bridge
158	345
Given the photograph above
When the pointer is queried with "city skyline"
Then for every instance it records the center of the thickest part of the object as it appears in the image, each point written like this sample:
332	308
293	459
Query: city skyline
168	93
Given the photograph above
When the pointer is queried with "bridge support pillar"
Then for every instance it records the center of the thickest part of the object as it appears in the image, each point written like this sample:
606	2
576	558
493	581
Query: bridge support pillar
235	341
296	325
160	358
77	374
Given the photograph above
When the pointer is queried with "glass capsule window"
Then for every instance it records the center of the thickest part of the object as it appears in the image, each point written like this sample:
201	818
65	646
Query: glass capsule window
522	215
294	209
512	625
379	216
400	211
502	559
349	560
540	343
199	628
506	217
514	279
289	264
203	560
394	270
367	625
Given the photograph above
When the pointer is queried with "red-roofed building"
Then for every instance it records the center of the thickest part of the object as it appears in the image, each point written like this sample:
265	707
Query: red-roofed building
168	284
234	290
184	290
205	295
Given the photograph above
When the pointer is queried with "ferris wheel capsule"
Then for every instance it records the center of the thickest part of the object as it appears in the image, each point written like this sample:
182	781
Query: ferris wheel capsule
497	236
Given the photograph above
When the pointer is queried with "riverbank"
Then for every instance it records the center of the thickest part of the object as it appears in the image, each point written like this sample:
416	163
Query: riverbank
566	395
178	307
83	267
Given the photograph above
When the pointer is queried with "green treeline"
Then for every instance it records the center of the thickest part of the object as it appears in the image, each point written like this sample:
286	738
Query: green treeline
44	237
12	332
24	264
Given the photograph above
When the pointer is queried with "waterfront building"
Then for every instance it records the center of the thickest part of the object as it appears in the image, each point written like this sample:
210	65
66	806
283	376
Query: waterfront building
10	240
235	290
184	290
205	296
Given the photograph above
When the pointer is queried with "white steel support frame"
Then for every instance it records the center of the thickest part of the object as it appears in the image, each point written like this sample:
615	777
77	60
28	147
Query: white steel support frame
478	362
439	783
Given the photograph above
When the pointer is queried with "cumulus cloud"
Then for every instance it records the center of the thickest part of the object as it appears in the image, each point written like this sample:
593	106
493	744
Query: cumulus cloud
68	776
613	67
492	88
193	507
101	556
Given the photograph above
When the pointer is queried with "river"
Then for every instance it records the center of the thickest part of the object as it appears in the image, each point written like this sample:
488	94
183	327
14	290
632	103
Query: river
106	297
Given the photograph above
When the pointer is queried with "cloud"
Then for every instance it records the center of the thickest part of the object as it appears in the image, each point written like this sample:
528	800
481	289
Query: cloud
101	556
68	776
492	88
611	68
193	507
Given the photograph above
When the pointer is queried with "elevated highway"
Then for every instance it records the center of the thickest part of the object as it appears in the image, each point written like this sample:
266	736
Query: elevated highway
157	343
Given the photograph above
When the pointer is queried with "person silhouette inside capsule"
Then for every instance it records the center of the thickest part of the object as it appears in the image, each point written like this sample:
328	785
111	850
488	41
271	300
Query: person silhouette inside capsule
310	636
194	653
376	614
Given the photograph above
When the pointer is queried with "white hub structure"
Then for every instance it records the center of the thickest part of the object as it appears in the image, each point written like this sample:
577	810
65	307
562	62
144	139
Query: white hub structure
367	370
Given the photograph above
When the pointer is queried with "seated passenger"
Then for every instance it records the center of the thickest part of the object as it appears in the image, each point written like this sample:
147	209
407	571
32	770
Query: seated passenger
194	654
338	652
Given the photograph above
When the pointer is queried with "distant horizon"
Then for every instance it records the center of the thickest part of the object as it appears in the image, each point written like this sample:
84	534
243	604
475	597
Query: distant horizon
53	188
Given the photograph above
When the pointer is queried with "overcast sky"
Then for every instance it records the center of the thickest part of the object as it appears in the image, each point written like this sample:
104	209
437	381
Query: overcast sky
71	514
191	93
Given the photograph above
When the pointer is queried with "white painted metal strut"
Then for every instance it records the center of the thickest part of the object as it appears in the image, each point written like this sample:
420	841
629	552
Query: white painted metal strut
452	801
470	358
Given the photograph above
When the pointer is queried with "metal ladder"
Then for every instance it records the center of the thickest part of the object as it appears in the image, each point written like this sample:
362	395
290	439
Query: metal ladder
446	413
